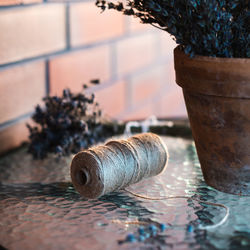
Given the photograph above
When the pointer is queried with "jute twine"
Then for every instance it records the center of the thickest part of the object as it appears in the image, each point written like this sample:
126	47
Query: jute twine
120	163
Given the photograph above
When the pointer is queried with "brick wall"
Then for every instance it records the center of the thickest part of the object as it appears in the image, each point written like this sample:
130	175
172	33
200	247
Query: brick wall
46	46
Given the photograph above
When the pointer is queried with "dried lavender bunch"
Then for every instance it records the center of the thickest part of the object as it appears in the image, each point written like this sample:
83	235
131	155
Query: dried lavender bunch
66	124
218	28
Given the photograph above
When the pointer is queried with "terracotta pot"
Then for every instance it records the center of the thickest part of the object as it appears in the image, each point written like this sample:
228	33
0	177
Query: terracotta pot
217	97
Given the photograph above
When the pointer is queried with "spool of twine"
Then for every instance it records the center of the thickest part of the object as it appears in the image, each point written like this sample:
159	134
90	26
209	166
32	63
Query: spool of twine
118	164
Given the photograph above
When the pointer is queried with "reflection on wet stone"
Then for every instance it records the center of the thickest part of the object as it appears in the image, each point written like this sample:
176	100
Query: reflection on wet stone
41	210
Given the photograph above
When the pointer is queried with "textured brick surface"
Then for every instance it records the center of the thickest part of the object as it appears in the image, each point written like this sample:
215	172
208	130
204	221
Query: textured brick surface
66	1
31	31
146	85
170	102
135	52
169	76
139	113
18	2
171	105
135	25
74	69
113	45
13	136
88	24
112	99
21	88
167	45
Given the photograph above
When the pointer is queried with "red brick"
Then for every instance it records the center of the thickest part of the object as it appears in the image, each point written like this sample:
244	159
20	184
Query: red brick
73	69
112	99
169	76
61	1
88	24
17	2
135	52
31	31
145	86
170	101
135	25
138	113
21	88
171	105
12	136
167	45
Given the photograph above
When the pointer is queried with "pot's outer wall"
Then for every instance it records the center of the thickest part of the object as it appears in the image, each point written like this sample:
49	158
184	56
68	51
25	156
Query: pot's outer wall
217	97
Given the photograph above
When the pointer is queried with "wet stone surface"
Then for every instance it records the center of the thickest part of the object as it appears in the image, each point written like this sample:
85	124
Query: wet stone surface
40	209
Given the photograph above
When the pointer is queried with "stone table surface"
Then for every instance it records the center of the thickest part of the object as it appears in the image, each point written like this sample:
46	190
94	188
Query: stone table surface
39	208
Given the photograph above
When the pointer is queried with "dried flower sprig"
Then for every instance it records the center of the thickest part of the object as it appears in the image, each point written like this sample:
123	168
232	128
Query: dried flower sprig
218	28
65	124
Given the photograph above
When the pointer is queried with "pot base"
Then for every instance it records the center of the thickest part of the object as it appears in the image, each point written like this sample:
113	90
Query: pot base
225	181
221	129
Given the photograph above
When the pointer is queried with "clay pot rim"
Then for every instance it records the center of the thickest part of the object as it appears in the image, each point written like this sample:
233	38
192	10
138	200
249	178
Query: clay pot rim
213	59
222	77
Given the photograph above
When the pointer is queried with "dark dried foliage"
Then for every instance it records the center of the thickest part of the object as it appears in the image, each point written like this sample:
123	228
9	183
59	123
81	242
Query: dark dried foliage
66	124
218	28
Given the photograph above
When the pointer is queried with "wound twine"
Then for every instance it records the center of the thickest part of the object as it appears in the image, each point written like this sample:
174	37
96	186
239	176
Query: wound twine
120	163
117	164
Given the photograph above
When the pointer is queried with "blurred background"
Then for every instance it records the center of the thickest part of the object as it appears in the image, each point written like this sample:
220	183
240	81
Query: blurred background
46	46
